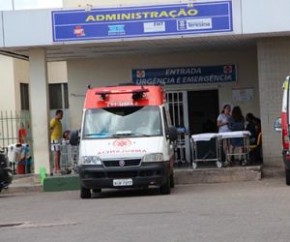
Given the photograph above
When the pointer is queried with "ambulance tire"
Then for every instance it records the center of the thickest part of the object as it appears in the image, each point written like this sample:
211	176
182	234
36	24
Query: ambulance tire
98	190
172	183
165	188
85	193
287	174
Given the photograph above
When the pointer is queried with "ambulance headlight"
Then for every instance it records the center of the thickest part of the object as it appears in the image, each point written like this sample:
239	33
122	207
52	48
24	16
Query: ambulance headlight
91	160
153	157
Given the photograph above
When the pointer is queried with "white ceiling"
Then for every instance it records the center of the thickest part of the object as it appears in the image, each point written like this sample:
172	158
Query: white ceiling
71	51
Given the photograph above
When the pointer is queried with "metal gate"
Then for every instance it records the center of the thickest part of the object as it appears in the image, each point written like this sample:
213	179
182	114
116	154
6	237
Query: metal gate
12	125
177	101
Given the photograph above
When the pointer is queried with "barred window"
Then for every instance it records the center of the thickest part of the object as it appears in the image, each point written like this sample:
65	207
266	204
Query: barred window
24	96
58	96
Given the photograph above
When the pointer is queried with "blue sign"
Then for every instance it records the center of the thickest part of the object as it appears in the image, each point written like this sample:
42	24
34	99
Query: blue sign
185	75
140	22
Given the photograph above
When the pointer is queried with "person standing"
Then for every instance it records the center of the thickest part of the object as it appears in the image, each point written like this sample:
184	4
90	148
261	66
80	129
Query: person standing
223	119
55	138
22	134
222	124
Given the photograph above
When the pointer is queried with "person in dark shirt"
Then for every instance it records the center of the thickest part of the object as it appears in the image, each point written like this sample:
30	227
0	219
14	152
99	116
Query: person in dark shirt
236	123
251	127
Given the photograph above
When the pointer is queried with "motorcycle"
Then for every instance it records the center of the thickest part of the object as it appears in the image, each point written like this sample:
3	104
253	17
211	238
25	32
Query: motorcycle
5	171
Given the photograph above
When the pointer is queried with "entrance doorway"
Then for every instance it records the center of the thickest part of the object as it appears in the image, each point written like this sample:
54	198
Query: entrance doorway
203	109
192	112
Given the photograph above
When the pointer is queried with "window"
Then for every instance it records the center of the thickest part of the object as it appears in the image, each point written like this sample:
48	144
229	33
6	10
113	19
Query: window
58	96
131	121
24	96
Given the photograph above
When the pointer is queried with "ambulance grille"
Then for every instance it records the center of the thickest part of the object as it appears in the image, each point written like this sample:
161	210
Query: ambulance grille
124	163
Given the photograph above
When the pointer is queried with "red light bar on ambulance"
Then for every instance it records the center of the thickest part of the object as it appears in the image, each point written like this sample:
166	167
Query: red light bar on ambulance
117	96
136	93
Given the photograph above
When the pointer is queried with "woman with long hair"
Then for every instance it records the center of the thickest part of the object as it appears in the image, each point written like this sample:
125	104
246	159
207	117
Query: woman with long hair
222	124
236	123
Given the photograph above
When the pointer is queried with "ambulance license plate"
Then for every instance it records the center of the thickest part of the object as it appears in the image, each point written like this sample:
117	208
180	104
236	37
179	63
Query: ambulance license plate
122	182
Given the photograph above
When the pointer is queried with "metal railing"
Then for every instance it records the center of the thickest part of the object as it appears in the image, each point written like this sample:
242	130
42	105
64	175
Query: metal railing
15	127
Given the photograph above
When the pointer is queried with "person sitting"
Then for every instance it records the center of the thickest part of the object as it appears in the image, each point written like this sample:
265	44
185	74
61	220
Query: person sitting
256	149
251	127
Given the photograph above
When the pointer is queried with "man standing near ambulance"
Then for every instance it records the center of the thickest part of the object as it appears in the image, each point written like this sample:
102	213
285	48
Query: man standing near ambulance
55	139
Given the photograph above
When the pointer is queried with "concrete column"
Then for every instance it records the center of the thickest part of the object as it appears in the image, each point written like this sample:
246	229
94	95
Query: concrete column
39	107
274	66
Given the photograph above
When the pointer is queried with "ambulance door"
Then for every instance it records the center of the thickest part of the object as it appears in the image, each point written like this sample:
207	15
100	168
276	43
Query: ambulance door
285	116
177	102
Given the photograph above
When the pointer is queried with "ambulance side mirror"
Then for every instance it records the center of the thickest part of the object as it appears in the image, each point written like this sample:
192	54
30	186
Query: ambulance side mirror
74	138
172	133
278	125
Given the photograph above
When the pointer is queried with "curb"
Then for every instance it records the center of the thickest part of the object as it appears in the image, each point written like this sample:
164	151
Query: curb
61	183
30	183
218	175
24	183
23	188
273	171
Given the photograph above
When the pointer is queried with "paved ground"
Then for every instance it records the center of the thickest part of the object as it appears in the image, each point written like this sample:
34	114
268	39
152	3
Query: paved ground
240	211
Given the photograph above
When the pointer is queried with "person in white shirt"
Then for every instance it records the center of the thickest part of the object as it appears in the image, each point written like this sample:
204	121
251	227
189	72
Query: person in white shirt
222	124
222	119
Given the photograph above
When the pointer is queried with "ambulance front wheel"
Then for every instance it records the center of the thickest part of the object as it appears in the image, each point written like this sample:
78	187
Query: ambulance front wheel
287	174
85	193
165	188
172	183
97	190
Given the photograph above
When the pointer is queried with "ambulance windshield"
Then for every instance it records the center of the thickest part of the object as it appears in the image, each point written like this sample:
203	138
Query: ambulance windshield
117	122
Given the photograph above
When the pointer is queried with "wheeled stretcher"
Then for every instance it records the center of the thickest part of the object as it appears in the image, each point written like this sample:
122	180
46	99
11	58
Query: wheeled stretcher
180	147
238	143
206	148
68	158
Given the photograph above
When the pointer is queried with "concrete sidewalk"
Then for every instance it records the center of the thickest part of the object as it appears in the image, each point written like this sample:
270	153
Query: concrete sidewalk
31	182
24	183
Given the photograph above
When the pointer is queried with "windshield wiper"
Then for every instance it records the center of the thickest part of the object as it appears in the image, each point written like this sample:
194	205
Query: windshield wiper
124	133
143	135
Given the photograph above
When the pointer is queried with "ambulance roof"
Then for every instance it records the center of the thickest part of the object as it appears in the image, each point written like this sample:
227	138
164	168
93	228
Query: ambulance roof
118	96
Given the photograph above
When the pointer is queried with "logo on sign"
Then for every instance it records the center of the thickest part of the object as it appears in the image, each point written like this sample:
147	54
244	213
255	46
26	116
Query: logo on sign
122	143
122	163
228	69
181	25
116	29
79	31
140	74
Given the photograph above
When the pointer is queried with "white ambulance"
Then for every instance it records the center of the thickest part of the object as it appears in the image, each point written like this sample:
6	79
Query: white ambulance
126	140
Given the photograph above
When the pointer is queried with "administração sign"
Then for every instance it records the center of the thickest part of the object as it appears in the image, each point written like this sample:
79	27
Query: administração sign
143	21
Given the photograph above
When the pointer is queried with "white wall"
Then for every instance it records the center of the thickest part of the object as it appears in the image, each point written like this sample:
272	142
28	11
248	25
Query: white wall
34	27
116	70
261	16
21	75
8	86
27	28
57	72
118	3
